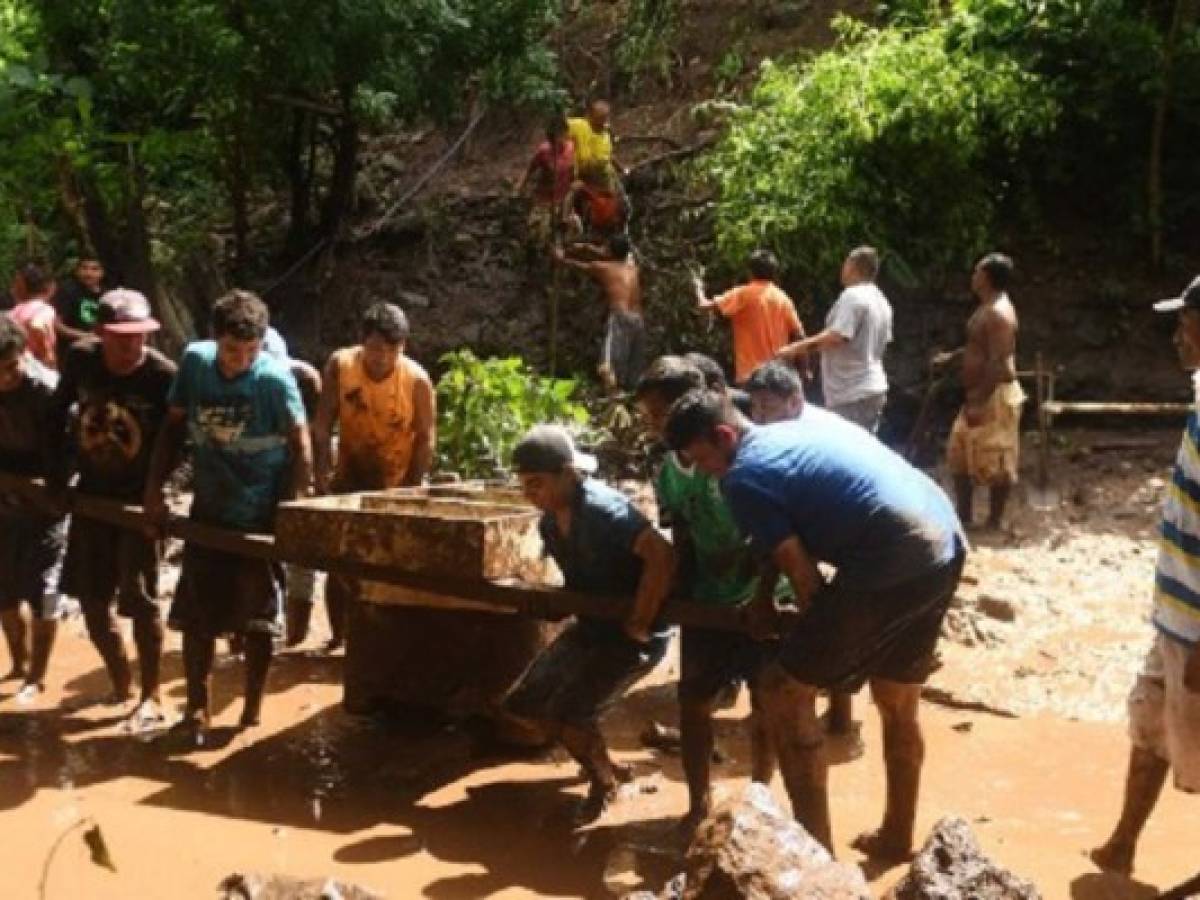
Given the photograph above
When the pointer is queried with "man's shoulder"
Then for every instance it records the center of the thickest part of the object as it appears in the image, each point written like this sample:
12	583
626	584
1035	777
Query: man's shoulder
415	370
159	363
39	379
602	501
199	352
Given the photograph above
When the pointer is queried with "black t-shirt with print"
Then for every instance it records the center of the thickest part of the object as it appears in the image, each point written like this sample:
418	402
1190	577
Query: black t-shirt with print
77	306
118	420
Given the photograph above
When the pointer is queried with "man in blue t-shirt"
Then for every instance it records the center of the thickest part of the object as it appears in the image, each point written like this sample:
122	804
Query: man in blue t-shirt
243	413
820	490
603	546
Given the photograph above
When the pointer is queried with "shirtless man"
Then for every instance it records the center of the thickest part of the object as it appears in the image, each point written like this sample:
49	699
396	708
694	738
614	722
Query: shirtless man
985	441
623	353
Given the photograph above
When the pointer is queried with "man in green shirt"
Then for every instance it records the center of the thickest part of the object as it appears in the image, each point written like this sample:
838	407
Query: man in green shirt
715	567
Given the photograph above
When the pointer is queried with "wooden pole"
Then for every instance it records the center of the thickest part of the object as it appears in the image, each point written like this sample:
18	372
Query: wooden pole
511	597
1043	425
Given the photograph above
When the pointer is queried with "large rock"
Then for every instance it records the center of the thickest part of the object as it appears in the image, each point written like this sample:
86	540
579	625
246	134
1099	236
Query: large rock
253	886
749	850
951	866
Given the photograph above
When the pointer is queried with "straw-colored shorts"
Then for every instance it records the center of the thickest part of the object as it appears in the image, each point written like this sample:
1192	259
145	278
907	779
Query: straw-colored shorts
990	452
1164	716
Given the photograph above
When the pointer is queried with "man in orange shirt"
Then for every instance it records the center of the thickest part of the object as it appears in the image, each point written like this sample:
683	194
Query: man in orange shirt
764	318
385	410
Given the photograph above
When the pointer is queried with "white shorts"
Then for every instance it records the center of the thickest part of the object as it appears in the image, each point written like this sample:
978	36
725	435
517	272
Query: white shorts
1164	716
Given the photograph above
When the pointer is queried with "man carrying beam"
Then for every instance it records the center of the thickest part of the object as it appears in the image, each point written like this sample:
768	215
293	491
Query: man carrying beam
120	386
251	449
385	410
603	545
31	541
818	489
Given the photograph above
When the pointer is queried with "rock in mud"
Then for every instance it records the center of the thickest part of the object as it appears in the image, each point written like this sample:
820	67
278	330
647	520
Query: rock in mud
250	886
951	866
997	608
748	849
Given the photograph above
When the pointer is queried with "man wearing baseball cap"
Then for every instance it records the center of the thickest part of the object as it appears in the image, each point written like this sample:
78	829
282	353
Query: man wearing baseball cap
604	546
1164	705
120	385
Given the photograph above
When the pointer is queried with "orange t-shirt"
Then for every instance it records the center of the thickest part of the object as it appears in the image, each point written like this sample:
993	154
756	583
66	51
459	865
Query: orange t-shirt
764	320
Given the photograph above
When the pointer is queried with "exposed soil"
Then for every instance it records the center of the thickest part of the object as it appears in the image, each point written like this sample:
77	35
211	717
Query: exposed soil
1024	729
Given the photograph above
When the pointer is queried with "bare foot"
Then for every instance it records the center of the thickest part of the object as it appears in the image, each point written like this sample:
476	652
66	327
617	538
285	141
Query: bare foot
16	673
882	846
592	807
1113	857
622	772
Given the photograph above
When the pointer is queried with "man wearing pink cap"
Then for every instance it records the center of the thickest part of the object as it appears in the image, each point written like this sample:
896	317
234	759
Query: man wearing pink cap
120	385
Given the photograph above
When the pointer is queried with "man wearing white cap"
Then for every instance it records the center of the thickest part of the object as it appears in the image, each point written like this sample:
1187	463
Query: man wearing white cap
1164	705
604	546
120	385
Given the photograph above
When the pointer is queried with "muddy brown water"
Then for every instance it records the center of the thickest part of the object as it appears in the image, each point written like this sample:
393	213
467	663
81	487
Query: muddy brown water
420	808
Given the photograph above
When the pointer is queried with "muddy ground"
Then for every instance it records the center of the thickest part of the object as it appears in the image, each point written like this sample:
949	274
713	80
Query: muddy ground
1024	725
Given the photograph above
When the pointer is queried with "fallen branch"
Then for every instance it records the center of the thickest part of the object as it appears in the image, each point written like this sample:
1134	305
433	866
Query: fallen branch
674	155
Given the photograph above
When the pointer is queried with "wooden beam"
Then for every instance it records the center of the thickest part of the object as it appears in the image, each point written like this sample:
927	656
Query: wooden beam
1060	407
534	601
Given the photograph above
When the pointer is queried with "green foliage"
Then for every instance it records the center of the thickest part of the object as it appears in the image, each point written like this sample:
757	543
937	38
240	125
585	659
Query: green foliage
889	138
649	34
486	405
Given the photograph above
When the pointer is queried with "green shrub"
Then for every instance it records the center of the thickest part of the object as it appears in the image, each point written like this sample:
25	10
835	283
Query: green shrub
486	405
889	138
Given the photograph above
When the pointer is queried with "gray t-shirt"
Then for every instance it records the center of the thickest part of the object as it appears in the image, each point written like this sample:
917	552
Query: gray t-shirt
854	371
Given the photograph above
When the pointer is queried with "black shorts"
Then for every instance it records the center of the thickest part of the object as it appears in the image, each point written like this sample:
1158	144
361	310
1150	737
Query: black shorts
849	637
104	561
582	674
31	550
222	593
710	661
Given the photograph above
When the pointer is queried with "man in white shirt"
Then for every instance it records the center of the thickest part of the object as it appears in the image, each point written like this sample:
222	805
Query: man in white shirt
857	332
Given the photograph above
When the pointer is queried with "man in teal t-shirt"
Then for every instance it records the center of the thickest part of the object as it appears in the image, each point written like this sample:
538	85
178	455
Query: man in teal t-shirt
716	567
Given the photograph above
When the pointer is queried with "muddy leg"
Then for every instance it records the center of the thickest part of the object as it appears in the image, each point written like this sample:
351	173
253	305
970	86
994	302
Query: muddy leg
587	747
841	713
696	732
44	632
998	502
338	592
105	633
763	762
15	635
198	650
259	649
903	755
1143	785
791	710
148	638
964	499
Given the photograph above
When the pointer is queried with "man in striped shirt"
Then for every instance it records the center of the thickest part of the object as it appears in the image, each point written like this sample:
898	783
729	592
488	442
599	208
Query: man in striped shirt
1164	706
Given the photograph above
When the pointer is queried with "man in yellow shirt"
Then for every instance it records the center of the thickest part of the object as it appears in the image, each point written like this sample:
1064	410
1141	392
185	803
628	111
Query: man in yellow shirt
593	140
384	406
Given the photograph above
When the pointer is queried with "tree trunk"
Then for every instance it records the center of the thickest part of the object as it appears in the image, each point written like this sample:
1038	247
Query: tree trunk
1158	132
340	197
298	163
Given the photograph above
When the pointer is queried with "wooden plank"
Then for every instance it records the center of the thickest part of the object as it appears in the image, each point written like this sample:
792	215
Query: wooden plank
516	597
1060	407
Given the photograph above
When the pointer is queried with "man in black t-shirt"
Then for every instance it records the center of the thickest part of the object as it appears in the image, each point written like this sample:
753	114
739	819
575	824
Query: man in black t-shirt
120	386
78	303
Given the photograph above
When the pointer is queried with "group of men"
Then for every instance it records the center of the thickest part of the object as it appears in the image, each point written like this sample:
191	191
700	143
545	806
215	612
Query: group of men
114	421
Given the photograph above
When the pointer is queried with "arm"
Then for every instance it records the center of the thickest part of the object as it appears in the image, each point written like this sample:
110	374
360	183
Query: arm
658	561
824	340
300	445
947	358
798	567
59	461
168	448
425	426
704	303
322	429
66	332
560	256
761	612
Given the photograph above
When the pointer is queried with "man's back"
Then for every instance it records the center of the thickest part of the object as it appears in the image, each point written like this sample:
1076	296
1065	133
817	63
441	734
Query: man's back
854	371
764	319
853	502
621	282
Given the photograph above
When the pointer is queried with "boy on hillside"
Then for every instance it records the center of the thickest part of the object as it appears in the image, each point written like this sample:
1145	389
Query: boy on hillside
623	352
243	412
